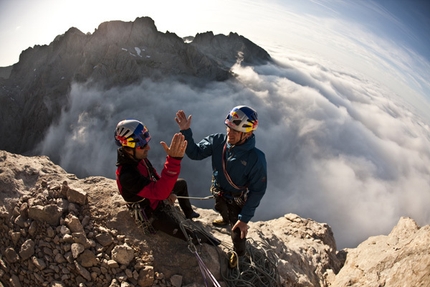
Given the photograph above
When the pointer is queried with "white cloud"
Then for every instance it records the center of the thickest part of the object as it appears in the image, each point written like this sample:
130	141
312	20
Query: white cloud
339	149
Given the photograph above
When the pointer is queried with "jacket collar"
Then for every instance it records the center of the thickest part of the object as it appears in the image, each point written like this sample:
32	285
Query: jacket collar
124	158
247	145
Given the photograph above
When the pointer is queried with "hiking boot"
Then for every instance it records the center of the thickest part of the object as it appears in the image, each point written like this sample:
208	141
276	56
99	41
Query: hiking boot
232	261
219	222
193	215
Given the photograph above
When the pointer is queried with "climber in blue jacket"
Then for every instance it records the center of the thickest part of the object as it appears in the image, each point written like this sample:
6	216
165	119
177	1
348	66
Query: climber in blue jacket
239	177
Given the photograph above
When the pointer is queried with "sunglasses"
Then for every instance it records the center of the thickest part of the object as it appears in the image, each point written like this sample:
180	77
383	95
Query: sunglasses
141	147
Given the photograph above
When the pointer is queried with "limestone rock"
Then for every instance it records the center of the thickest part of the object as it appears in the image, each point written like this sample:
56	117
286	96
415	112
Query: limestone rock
146	277
77	195
104	238
176	280
73	223
27	249
77	249
401	258
123	254
110	250
10	255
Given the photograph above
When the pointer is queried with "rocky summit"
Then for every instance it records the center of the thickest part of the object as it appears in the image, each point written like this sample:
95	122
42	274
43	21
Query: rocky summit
36	89
59	230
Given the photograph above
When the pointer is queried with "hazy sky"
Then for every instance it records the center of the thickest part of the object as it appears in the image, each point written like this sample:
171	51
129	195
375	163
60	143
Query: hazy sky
366	36
344	118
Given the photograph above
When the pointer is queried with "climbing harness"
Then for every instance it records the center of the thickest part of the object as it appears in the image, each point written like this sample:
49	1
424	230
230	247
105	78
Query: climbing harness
238	199
140	217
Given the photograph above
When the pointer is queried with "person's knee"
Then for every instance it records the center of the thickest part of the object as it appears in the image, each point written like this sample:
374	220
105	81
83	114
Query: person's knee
181	183
180	187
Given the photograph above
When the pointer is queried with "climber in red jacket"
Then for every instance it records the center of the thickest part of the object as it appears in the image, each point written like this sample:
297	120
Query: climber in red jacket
139	182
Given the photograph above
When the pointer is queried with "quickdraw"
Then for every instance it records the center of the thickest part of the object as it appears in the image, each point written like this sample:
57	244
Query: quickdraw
239	200
140	217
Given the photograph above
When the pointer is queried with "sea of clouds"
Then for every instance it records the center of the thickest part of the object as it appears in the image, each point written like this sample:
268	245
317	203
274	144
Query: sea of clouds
340	148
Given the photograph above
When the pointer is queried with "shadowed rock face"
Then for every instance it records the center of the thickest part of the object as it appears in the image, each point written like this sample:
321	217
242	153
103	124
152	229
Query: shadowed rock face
116	54
94	240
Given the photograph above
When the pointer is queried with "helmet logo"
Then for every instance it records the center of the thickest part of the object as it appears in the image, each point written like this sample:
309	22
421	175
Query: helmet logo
126	141
122	139
254	125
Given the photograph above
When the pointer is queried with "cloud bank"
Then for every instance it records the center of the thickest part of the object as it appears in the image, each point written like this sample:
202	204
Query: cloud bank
340	148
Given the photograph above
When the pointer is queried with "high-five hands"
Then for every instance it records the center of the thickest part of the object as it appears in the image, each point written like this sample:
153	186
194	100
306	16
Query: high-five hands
177	146
182	120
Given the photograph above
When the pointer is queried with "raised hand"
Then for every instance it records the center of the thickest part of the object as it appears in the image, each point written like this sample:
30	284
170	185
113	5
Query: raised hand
182	120
177	146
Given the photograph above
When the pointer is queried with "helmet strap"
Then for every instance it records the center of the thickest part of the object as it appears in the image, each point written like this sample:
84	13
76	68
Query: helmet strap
242	140
127	151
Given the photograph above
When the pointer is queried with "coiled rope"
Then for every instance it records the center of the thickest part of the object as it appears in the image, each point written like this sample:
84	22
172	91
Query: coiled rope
258	268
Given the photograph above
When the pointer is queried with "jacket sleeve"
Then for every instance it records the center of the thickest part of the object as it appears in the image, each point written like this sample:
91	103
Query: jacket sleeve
198	151
257	188
140	185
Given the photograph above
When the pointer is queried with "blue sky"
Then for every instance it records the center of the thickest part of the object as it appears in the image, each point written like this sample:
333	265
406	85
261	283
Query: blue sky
344	118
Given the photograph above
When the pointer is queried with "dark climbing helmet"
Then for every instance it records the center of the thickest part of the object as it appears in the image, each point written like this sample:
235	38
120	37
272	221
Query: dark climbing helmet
131	133
242	119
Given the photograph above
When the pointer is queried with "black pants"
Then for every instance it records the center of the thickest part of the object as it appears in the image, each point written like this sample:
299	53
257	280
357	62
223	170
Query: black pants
165	222
181	189
230	211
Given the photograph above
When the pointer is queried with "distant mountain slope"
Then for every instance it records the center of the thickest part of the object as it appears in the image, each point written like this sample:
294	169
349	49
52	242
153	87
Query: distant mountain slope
116	54
5	72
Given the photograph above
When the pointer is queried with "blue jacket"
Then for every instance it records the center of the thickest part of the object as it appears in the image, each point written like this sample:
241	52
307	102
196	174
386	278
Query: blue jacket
245	164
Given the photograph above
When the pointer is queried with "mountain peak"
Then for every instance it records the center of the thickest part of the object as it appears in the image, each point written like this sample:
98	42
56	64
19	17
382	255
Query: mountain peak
117	54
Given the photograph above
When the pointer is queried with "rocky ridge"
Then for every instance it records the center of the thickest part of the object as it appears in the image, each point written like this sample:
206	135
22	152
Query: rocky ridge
118	53
59	230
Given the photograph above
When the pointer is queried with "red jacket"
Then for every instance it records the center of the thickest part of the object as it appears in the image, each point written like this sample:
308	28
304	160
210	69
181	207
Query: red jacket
137	179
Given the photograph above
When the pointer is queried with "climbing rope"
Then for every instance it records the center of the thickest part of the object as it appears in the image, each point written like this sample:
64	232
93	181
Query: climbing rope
184	224
258	268
196	197
206	273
